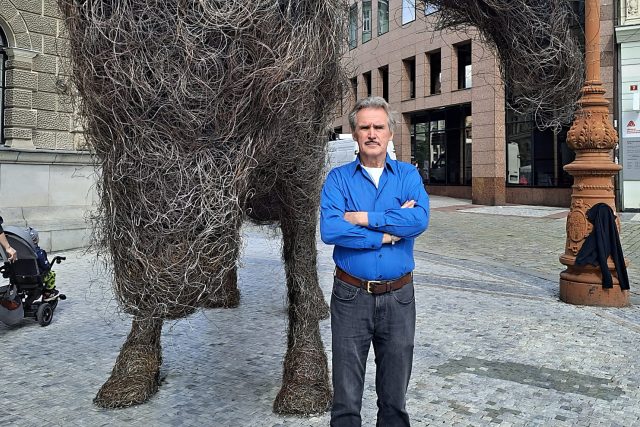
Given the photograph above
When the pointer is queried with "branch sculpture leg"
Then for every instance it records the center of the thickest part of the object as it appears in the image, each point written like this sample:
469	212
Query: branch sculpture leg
135	376
305	384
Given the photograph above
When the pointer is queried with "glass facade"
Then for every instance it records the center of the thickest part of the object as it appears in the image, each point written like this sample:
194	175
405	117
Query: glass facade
441	142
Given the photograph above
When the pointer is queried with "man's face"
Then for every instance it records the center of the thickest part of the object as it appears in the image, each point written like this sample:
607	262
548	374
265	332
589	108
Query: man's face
372	134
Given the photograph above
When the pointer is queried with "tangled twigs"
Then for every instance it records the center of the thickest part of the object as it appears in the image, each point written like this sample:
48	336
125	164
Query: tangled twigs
185	103
201	113
540	57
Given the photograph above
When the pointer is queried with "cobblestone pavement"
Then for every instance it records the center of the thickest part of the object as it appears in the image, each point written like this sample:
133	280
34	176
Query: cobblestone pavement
494	346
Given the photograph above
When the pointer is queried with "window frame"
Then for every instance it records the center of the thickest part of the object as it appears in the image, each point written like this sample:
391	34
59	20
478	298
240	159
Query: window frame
353	26
408	11
383	17
461	52
367	21
435	88
409	77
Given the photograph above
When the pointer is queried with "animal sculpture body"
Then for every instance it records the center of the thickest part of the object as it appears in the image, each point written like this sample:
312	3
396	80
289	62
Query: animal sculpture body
203	113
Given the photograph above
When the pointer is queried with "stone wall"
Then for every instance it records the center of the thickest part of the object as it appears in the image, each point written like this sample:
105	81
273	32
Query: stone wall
46	177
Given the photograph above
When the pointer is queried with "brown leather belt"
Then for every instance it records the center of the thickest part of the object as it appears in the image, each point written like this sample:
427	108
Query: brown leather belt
374	286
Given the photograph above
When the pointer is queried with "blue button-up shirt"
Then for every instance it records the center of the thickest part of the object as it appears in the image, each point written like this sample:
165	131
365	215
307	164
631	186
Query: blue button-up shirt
359	250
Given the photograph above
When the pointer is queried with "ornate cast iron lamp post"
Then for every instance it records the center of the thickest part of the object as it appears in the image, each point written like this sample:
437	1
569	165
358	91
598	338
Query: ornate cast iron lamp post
592	137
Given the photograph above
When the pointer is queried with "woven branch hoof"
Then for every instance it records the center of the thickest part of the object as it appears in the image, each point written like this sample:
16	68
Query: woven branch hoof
305	384
134	379
303	399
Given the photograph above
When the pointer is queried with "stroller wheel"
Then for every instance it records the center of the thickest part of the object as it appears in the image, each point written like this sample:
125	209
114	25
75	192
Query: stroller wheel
44	314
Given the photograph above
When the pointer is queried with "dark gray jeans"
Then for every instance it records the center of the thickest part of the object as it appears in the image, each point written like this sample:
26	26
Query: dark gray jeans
358	319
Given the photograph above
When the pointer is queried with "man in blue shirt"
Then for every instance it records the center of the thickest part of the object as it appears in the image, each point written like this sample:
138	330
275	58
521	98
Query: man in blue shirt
372	209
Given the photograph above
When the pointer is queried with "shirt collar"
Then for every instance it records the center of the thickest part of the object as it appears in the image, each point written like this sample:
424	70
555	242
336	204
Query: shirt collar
390	165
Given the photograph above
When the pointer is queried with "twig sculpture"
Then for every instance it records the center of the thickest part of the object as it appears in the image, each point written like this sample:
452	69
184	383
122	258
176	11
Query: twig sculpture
537	44
201	113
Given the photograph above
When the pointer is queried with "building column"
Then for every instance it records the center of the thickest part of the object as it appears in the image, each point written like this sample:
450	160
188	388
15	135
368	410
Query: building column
19	116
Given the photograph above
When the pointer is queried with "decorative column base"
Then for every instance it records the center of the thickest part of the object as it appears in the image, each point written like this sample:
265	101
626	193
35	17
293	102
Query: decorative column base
584	287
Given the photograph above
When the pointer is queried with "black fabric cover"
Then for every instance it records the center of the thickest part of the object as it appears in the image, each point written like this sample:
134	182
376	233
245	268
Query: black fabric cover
602	242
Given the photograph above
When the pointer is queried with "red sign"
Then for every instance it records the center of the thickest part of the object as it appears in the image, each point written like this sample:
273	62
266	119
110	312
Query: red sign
633	87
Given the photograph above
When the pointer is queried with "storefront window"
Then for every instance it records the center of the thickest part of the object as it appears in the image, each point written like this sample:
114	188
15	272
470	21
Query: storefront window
441	145
535	157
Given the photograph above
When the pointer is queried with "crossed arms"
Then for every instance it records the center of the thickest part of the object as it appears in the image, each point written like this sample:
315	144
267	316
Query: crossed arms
372	229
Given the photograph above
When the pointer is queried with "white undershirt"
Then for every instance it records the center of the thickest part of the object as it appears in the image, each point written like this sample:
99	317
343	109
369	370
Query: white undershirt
374	173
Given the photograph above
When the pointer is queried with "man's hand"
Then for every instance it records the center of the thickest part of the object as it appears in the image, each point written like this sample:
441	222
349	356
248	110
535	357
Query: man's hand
390	238
408	204
357	218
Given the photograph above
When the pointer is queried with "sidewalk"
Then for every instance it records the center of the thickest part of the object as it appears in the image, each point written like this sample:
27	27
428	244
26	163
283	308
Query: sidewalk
522	237
494	345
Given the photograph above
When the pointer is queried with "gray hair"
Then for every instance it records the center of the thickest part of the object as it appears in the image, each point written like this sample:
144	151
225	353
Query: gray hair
372	102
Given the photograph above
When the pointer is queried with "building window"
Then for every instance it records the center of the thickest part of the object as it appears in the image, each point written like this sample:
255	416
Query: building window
535	157
409	81
435	72
441	145
366	21
354	87
383	16
384	81
367	82
408	11
429	9
464	65
353	26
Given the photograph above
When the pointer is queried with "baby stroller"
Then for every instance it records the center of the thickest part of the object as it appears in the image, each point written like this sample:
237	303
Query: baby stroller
23	295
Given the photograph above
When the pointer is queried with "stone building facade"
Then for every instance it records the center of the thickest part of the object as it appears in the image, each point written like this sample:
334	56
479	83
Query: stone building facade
47	180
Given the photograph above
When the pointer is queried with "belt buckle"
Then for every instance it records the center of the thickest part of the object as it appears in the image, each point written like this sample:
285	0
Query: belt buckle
370	283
